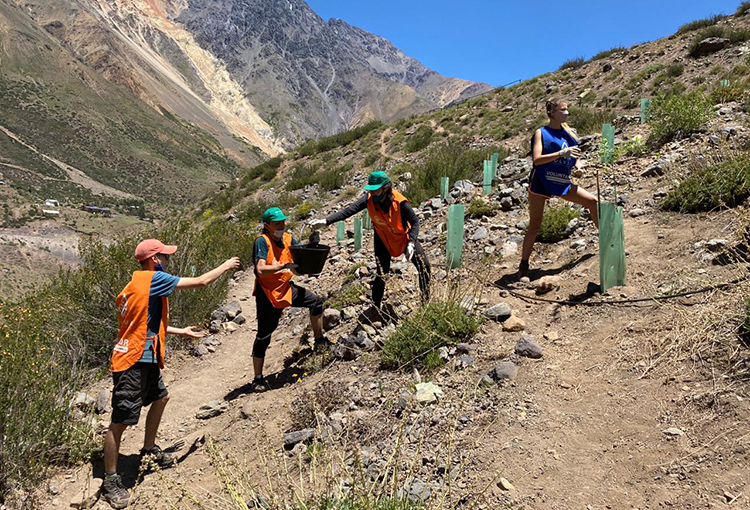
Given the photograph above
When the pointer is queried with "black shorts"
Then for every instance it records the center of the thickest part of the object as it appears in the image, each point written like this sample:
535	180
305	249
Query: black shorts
136	387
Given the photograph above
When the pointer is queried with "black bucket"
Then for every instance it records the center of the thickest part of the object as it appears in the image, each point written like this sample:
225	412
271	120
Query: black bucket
310	259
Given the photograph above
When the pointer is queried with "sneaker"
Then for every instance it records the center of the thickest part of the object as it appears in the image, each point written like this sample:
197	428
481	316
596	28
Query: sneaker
114	492
523	268
259	384
323	340
156	455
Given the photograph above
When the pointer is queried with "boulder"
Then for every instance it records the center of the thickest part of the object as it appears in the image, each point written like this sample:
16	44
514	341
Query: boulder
505	371
528	347
710	45
499	312
299	436
331	318
514	324
232	309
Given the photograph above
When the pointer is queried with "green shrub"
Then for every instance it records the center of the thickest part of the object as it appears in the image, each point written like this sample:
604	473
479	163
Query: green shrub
348	297
421	138
334	178
305	209
725	184
573	63
632	148
417	339
478	208
738	35
340	139
700	23
302	175
452	160
266	171
554	222
609	52
726	94
735	36
588	121
677	116
675	69
371	159
742	9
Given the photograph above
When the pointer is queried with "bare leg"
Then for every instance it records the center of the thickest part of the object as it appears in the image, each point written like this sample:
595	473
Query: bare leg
536	212
258	365
586	199
317	325
153	419
112	446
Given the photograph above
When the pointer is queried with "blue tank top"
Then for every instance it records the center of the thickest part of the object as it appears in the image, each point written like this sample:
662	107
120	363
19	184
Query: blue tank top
555	175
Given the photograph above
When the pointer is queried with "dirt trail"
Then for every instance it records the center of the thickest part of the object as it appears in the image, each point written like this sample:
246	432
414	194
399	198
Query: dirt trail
580	428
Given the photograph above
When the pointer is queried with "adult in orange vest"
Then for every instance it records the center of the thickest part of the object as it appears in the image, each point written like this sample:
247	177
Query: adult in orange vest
138	356
274	289
396	227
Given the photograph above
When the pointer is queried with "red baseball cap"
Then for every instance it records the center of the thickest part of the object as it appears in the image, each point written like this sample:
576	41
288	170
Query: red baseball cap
150	247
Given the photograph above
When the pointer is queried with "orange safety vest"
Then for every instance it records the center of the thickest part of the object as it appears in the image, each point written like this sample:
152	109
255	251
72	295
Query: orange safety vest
132	305
388	225
276	285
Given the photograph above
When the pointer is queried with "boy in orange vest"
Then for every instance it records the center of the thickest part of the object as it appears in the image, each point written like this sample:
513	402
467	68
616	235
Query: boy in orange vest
275	291
138	356
396	228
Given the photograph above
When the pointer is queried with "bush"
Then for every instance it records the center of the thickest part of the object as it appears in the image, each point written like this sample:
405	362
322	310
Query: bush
609	52
700	23
326	397
417	339
573	63
311	147
726	94
421	138
478	208
334	178
451	160
302	175
632	148
348	297
266	171
677	116
588	121
725	184
675	69
745	326
371	159
554	223
742	9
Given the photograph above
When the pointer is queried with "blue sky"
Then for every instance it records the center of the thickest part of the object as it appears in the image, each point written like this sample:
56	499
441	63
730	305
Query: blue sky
499	41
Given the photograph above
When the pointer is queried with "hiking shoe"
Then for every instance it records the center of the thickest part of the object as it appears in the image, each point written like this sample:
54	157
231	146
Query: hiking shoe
159	457
114	492
323	340
259	384
523	268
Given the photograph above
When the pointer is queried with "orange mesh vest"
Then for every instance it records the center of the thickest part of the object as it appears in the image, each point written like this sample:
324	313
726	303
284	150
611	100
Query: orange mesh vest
132	305
276	285
388	225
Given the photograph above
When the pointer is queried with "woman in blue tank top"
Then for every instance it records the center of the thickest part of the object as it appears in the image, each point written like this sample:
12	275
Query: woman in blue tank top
554	150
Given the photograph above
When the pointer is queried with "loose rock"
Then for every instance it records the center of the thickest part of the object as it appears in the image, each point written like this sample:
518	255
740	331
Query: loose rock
528	347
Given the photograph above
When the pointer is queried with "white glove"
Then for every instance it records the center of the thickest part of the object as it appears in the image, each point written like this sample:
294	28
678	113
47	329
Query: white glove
570	152
318	224
409	251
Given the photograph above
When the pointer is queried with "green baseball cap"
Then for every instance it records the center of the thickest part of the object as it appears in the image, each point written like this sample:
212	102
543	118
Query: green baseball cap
377	180
273	214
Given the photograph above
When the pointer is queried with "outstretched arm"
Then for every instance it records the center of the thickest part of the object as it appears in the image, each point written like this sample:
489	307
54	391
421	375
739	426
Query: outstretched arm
210	276
348	211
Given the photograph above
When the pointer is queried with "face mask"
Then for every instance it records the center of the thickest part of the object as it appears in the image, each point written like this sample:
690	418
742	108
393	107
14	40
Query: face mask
158	267
277	234
378	198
